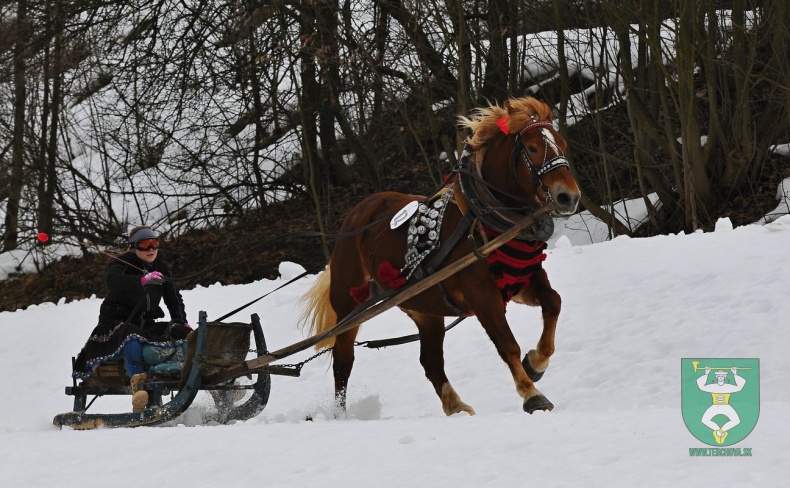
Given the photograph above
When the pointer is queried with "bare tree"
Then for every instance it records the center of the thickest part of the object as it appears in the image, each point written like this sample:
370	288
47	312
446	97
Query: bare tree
188	113
14	192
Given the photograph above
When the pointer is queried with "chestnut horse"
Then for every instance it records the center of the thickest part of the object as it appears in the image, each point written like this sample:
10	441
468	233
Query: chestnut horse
516	164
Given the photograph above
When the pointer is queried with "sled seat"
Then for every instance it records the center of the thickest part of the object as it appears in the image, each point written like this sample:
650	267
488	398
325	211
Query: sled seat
110	378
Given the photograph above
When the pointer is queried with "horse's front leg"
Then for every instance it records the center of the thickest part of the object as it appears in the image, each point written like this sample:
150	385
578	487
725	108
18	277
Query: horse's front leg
541	294
491	315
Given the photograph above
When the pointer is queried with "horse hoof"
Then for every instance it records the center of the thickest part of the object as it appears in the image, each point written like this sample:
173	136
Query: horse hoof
533	375
537	402
464	408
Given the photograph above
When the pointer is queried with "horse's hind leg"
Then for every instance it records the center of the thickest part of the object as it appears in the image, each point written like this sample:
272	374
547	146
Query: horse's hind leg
345	275
541	294
342	362
431	330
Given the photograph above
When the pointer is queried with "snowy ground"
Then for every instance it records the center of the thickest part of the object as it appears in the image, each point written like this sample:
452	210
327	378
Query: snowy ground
632	308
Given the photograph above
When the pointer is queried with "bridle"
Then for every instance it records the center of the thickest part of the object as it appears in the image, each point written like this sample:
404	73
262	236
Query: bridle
494	213
547	165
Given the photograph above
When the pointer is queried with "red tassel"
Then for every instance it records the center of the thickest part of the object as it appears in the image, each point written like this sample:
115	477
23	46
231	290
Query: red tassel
360	293
502	123
388	274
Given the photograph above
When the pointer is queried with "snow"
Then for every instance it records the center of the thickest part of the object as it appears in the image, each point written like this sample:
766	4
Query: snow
632	308
783	197
583	228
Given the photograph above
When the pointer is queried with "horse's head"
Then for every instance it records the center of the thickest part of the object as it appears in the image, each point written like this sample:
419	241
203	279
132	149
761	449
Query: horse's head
524	154
540	165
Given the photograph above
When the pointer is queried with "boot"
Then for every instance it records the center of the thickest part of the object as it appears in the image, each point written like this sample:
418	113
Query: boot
139	396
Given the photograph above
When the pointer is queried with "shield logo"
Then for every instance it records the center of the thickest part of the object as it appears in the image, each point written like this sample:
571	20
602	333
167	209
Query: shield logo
720	398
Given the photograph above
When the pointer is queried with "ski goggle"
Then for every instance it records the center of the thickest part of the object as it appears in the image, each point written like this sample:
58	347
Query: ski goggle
147	245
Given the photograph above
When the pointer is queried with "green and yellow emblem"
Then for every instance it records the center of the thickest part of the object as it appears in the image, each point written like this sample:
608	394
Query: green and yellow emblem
720	398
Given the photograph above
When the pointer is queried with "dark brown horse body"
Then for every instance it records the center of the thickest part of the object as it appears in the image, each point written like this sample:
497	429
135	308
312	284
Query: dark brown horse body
518	177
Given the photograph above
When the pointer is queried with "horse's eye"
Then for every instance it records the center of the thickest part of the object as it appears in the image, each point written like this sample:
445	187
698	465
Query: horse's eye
532	149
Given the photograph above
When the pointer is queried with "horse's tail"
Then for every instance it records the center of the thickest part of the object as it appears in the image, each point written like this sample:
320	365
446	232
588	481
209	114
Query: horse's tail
319	315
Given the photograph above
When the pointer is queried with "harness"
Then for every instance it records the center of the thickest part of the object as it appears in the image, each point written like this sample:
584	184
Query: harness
512	264
423	241
424	227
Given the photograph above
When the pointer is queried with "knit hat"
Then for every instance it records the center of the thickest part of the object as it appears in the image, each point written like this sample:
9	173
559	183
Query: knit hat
141	232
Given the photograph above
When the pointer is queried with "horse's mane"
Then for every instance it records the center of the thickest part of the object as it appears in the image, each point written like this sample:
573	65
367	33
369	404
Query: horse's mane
518	112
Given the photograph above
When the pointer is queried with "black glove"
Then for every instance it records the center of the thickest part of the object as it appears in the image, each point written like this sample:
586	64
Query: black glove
179	329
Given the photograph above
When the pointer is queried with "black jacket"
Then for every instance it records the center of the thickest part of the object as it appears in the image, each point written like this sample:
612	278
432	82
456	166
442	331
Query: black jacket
125	291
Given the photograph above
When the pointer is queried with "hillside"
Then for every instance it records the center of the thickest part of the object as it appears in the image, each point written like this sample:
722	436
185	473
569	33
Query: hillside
253	247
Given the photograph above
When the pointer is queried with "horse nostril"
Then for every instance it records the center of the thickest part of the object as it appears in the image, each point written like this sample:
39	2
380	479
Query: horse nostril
563	199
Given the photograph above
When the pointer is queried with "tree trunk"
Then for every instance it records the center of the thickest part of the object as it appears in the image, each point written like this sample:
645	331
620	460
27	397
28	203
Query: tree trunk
562	64
11	232
260	193
327	58
308	110
308	102
445	84
495	82
455	10
742	136
775	119
698	194
48	174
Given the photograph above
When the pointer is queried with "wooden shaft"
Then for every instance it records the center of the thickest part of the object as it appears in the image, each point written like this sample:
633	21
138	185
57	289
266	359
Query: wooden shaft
403	295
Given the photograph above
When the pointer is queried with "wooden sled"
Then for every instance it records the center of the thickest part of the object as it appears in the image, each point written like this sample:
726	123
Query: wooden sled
211	346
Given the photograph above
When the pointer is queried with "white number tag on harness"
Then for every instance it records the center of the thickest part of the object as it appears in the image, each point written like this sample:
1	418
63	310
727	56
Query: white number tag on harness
403	215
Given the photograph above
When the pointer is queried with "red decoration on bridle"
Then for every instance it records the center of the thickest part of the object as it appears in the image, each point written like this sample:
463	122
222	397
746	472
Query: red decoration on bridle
502	123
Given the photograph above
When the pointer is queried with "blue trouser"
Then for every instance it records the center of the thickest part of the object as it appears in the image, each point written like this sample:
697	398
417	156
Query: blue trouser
133	357
136	356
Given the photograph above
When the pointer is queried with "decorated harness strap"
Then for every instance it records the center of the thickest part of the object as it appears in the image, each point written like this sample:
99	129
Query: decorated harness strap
424	251
424	231
422	240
